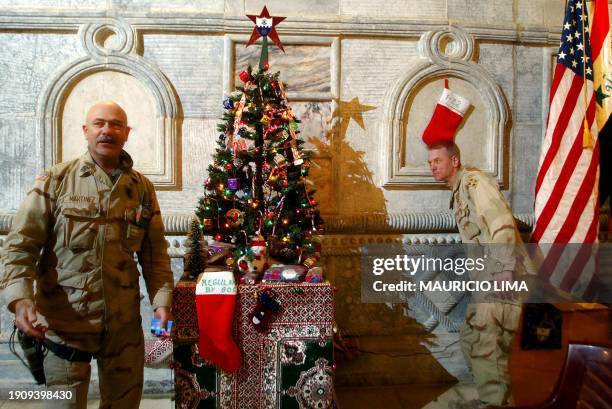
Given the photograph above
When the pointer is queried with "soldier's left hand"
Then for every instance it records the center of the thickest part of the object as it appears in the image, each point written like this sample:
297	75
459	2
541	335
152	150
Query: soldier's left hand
163	314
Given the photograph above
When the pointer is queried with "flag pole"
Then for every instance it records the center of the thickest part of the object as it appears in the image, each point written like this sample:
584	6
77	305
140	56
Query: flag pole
587	139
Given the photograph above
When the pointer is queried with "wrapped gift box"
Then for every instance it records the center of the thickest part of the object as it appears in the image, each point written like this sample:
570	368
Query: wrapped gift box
289	366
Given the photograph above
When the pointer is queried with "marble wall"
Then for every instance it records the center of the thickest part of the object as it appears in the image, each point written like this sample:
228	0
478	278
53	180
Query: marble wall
343	60
363	77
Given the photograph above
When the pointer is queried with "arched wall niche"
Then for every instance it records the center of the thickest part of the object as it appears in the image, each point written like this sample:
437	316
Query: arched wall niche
113	70
408	106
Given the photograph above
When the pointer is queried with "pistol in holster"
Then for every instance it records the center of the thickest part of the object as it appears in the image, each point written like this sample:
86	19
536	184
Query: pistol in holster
34	352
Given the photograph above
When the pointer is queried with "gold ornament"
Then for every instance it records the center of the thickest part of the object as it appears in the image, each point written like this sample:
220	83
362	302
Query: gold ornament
286	116
234	218
310	262
280	160
273	177
208	224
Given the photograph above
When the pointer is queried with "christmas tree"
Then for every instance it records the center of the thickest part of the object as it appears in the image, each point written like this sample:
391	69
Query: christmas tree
257	185
195	261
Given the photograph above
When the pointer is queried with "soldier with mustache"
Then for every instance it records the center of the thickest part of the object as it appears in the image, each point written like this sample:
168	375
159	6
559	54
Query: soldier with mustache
75	236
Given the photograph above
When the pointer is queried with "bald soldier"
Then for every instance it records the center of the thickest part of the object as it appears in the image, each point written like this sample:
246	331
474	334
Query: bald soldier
483	217
75	236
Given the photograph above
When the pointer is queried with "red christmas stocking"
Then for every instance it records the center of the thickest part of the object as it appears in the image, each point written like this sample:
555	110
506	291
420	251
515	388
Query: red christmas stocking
215	304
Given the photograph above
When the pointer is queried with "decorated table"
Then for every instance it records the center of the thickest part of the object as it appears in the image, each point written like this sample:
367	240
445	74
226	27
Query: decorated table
289	365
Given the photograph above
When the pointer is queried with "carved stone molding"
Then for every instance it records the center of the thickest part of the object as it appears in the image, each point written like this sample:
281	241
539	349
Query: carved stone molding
460	45
5	223
453	61
120	57
393	223
389	224
59	20
177	224
93	36
339	245
398	223
345	235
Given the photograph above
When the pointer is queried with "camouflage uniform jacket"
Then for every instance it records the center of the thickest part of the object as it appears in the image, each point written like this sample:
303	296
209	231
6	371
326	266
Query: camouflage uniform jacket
75	236
484	217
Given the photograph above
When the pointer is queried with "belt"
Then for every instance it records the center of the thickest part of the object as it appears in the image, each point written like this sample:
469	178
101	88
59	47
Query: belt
68	353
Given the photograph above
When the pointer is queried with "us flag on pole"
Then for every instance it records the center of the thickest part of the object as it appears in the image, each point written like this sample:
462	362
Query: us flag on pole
566	200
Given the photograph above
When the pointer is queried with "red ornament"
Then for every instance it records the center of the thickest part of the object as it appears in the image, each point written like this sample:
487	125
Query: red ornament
245	76
234	218
229	166
218	237
266	66
270	130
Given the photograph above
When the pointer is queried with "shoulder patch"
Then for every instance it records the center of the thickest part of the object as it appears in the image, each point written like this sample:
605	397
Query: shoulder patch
472	181
43	176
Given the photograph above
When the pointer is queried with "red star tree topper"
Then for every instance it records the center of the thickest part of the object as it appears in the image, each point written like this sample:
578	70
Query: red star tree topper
265	26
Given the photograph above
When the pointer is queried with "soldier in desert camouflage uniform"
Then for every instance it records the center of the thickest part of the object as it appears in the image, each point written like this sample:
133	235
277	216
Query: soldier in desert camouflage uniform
75	236
484	217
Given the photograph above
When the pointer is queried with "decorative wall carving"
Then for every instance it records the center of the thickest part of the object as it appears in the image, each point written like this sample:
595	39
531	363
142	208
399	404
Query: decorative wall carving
446	53
298	25
419	225
324	92
111	46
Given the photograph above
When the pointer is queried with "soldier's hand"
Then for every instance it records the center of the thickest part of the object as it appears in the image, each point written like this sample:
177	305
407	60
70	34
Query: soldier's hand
163	314
25	317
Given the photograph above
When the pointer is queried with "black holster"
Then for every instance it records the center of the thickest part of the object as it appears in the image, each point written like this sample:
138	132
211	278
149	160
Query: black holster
35	354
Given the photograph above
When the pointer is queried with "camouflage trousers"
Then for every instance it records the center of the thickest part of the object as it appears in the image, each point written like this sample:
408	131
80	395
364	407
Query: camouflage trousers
120	371
486	341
